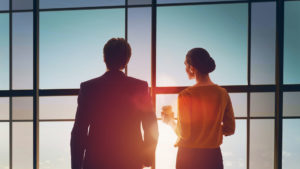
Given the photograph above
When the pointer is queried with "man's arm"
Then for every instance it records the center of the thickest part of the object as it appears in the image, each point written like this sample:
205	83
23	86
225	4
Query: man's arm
150	127
79	132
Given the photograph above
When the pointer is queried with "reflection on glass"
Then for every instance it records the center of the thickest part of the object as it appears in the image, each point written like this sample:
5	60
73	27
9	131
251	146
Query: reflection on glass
166	99
4	145
22	4
4	5
239	104
22	144
58	107
234	147
262	144
291	43
4	50
22	108
71	44
263	29
77	3
291	144
291	106
4	108
22	50
221	29
55	145
139	2
139	37
262	104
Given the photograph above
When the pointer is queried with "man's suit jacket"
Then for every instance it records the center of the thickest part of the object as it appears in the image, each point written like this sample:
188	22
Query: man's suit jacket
107	132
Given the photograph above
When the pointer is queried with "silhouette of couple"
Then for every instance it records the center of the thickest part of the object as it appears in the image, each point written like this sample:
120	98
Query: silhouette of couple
116	126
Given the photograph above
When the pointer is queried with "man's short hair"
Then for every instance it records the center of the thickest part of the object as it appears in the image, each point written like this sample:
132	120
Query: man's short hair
117	53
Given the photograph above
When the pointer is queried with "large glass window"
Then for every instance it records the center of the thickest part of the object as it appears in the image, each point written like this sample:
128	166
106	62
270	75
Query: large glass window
55	145
4	4
22	63
263	38
77	3
262	104
139	37
22	108
4	108
4	145
71	44
4	51
291	43
220	29
291	106
291	144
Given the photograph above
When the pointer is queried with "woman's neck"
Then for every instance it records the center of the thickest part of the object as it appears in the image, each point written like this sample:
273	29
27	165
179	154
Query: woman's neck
203	80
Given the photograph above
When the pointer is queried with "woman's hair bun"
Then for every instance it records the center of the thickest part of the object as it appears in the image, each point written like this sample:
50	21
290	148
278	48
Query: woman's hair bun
201	60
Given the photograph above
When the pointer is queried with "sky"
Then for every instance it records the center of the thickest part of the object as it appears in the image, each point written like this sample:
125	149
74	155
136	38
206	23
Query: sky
71	45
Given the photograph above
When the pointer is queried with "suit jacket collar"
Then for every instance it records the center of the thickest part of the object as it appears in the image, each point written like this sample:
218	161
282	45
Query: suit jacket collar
114	73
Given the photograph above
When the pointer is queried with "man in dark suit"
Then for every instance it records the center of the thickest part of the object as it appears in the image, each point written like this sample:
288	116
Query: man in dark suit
111	110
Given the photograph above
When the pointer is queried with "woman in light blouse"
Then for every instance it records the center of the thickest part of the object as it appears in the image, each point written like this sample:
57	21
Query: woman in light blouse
205	114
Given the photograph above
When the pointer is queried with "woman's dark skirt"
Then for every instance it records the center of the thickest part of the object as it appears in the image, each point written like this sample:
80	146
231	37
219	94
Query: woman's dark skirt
199	158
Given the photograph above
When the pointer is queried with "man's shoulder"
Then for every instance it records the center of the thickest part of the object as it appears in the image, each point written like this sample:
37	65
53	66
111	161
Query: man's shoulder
137	82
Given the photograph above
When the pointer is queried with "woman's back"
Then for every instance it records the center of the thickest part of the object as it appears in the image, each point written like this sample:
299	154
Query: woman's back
205	114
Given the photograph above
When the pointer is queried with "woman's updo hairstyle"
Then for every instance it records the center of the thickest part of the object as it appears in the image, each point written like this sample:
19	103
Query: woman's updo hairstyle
200	59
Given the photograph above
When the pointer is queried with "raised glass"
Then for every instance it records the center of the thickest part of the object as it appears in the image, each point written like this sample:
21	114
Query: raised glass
22	108
139	37
262	104
263	38
58	107
4	145
220	29
4	108
22	144
22	54
291	106
71	45
78	3
166	99
290	144
4	50
291	61
262	143
55	145
22	4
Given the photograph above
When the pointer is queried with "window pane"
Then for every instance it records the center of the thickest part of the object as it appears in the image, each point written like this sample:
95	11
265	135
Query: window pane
239	103
78	3
166	99
139	2
71	44
263	29
4	108
291	43
4	51
221	29
22	145
22	108
166	152
262	144
291	106
234	148
4	145
185	1
22	50
55	145
262	104
22	4
291	144
4	5
61	107
139	37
